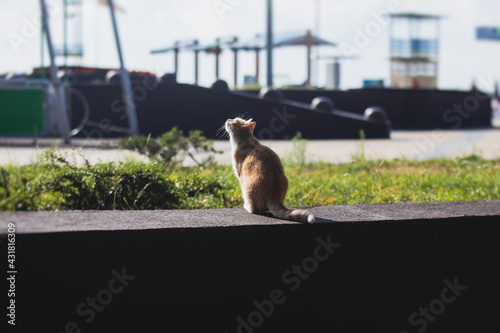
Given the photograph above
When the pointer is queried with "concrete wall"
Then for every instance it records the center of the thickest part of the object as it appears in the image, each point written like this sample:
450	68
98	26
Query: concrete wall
371	268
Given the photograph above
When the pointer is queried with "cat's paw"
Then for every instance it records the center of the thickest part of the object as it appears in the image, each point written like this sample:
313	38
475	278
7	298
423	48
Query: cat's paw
248	208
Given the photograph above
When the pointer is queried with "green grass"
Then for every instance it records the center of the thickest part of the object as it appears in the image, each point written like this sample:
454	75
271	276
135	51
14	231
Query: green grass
55	182
395	181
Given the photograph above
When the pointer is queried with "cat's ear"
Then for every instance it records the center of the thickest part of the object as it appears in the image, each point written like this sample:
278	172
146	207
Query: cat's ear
251	123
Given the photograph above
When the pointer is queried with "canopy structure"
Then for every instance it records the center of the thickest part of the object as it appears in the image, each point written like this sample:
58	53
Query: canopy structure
178	45
282	40
194	46
256	44
216	49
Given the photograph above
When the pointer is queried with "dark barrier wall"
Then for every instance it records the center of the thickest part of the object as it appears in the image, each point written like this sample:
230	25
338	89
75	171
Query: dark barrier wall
411	109
432	275
161	107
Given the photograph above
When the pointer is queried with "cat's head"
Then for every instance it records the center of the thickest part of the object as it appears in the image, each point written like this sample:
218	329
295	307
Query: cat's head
240	127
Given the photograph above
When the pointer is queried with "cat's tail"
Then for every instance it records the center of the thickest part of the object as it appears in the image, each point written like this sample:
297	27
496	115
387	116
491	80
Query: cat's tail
284	213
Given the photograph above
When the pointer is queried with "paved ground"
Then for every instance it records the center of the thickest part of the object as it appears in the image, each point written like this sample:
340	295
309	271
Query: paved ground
415	145
64	221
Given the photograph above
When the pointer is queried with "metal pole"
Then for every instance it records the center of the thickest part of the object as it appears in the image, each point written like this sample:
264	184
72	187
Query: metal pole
65	42
235	69
217	51
308	82
438	37
391	51
196	67
269	45
317	27
125	79
176	60
309	54
257	66
42	36
216	64
195	46
60	105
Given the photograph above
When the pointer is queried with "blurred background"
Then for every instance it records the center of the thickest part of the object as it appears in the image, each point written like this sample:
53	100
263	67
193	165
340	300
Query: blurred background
155	24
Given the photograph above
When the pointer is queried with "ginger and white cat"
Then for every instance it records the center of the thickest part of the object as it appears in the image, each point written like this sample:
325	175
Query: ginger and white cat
260	172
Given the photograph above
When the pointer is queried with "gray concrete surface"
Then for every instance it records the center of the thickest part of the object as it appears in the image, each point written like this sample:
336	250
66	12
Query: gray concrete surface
415	145
367	272
66	221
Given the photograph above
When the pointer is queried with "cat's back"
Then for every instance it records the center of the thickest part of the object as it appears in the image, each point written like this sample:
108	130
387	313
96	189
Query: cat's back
263	160
267	154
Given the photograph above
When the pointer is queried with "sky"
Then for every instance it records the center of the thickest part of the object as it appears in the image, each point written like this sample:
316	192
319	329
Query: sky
151	24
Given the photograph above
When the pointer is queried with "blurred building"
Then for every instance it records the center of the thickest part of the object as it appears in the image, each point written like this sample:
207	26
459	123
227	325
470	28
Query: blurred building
414	50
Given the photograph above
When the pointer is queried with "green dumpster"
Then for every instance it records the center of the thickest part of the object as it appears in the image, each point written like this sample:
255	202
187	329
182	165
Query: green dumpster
22	112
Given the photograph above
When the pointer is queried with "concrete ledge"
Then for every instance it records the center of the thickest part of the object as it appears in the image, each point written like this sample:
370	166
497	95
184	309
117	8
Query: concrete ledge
64	221
381	268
